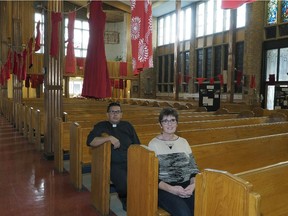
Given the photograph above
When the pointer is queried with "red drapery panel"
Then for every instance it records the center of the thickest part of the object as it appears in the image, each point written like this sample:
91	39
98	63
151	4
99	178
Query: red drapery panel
70	61
96	82
24	67
233	4
38	37
200	80
220	77
123	69
239	77
30	52
253	82
56	17
141	35
211	80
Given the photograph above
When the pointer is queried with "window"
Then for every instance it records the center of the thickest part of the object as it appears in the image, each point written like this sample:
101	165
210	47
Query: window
39	17
167	27
211	18
272	12
81	37
241	16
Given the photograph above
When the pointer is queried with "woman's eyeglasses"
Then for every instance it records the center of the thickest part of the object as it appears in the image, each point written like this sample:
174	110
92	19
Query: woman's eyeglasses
166	121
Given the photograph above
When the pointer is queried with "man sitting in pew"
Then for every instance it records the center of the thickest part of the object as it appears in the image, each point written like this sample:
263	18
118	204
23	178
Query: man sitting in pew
177	167
121	134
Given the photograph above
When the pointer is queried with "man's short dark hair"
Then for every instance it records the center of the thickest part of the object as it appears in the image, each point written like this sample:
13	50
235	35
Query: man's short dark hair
113	104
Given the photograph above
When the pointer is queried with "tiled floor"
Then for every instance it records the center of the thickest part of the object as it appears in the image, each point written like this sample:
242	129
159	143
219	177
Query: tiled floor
29	185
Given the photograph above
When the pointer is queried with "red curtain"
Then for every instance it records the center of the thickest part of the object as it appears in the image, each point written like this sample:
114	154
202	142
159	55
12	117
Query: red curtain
56	17
70	61
141	35
38	37
233	4
96	76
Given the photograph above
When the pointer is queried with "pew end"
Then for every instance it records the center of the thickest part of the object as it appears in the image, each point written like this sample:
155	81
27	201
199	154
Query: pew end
100	178
142	162
221	193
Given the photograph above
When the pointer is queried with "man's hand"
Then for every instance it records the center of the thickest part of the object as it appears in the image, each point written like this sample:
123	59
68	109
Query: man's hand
115	142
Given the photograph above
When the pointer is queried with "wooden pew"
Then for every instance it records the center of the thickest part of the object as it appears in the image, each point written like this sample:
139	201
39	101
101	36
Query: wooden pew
209	135
262	191
233	156
62	132
194	137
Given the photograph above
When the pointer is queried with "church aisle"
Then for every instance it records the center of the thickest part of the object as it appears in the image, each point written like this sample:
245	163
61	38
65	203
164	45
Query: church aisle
29	185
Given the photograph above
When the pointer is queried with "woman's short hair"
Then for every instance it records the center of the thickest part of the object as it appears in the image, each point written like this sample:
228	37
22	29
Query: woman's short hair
166	112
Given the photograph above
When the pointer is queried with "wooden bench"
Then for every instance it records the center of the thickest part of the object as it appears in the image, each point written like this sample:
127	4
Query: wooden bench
232	156
262	191
62	131
195	138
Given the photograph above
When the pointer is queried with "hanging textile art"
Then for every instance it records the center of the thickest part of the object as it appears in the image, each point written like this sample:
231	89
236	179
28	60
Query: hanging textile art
141	35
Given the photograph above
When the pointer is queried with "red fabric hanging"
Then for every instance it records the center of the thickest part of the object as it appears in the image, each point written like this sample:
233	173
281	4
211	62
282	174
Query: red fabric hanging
7	71
179	78
96	82
56	17
24	68
211	80
2	76
121	84
220	77
116	84
123	69
30	52
200	80
70	61
38	37
27	81
253	82
239	77
19	68
233	4
15	63
8	62
80	62
187	79
141	35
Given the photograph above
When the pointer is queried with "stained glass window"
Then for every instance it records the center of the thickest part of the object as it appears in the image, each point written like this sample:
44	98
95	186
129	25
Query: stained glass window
284	11
272	12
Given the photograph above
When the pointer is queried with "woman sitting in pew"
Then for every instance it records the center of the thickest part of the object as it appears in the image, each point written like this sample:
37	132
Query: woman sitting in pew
121	135
177	167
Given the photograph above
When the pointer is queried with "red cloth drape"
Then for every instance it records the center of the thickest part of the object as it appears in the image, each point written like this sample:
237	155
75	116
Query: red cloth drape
2	76
187	79
27	81
19	68
70	61
211	80
239	77
24	67
96	82
15	65
7	71
253	82
123	69
220	77
200	80
30	52
179	78
56	17
80	62
233	4
38	37
141	35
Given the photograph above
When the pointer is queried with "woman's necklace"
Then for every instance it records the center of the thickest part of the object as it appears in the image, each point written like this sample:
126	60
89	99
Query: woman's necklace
167	141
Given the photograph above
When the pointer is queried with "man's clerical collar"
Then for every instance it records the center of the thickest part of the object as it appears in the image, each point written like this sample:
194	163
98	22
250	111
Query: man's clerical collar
114	125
